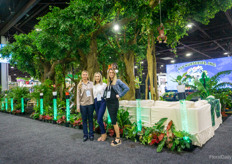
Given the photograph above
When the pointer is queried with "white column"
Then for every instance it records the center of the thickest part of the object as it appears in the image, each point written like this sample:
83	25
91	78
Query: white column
3	40
4	69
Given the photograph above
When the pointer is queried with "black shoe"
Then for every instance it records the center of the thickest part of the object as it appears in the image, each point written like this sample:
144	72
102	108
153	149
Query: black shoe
85	139
91	138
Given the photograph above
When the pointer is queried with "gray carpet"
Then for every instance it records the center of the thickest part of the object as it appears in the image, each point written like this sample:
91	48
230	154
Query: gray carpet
24	140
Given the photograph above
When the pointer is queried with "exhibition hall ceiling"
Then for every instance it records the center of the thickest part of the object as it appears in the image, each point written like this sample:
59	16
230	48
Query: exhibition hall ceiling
203	41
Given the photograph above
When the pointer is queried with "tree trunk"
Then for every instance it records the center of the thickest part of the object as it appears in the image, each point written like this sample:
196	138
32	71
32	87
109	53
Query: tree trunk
49	72
155	75
61	92
104	71
42	78
146	86
92	62
46	67
129	64
150	45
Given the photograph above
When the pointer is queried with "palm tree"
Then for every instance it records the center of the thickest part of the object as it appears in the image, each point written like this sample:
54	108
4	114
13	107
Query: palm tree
210	86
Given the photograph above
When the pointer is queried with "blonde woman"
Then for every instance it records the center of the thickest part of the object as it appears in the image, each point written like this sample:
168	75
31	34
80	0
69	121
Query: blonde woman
99	103
114	90
85	104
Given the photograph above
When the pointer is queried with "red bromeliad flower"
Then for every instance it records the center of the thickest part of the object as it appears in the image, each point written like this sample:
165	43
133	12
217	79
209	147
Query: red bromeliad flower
40	117
121	131
105	125
18	111
169	125
170	145
111	132
161	136
78	122
48	117
153	141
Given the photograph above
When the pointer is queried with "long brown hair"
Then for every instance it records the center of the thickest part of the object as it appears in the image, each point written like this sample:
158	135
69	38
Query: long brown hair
94	81
80	83
108	77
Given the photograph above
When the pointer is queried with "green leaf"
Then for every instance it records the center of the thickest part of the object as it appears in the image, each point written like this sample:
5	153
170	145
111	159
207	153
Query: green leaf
161	145
160	122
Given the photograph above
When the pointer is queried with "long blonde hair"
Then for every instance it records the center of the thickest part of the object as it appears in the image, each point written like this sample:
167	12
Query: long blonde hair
108	77
80	83
94	81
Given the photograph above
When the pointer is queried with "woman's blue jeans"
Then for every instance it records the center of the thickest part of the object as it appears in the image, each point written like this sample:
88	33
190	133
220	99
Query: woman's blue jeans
100	108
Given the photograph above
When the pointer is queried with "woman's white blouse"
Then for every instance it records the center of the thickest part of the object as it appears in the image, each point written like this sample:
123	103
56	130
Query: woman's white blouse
99	89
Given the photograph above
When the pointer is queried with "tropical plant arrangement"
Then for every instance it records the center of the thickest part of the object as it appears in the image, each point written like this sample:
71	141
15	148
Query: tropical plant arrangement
161	136
169	96
181	79
207	86
17	93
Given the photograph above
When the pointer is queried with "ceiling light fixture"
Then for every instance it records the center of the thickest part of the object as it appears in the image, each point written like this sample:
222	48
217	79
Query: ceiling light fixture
188	54
172	61
190	25
116	27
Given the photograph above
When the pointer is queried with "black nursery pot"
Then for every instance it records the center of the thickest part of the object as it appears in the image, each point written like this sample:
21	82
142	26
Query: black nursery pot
67	124
137	94
192	147
80	127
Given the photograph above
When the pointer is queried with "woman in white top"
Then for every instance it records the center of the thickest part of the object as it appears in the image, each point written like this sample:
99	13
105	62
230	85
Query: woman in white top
99	102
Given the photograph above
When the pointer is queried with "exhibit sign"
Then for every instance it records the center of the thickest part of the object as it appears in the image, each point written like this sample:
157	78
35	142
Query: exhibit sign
211	67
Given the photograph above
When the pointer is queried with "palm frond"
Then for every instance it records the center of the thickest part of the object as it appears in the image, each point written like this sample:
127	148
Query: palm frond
191	86
217	77
199	85
223	85
183	75
195	94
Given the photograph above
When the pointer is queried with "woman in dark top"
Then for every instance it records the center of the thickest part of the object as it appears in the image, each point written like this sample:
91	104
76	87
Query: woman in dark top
114	90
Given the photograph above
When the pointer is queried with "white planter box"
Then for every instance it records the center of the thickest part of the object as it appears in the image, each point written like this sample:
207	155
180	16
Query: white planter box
181	88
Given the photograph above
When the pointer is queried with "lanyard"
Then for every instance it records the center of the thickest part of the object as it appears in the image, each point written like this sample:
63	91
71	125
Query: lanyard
109	87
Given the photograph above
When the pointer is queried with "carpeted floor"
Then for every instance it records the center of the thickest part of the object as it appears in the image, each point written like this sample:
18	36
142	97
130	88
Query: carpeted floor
24	140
